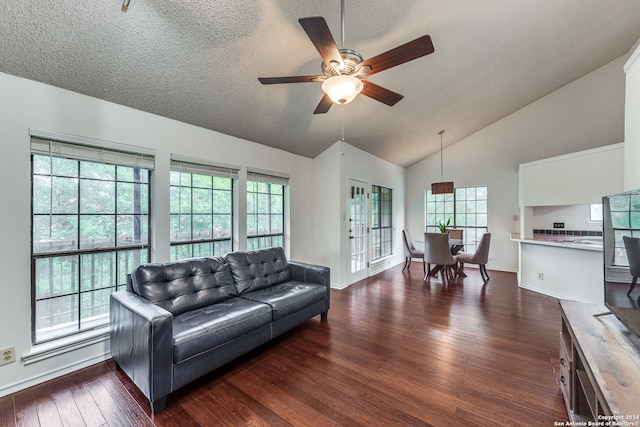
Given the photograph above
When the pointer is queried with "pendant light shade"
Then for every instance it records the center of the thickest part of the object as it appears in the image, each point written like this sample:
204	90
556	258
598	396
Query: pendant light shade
442	187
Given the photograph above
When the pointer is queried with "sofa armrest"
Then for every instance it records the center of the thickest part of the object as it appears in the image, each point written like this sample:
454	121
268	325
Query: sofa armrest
311	273
141	343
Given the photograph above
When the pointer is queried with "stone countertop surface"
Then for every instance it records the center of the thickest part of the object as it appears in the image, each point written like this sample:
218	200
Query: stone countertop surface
574	242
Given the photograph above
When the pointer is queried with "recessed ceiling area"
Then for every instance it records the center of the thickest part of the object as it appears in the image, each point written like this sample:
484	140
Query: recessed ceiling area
199	62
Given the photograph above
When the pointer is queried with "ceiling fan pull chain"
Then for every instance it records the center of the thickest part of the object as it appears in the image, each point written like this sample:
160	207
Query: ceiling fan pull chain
342	118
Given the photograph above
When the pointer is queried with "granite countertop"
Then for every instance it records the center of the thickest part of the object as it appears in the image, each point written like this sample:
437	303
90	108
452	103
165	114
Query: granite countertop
590	243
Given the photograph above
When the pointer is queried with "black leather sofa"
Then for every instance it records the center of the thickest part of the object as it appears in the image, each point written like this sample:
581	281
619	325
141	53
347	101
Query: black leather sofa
180	320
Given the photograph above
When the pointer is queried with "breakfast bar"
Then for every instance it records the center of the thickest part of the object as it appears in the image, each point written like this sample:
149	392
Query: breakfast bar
568	268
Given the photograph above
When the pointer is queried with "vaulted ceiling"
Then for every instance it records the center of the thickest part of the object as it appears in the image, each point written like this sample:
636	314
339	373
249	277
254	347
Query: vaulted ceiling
198	61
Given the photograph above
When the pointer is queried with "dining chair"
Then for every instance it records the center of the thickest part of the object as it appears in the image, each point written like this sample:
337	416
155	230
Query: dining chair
456	233
632	245
480	256
410	251
437	251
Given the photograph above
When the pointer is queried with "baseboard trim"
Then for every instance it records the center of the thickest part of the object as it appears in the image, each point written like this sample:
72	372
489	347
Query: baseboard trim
55	373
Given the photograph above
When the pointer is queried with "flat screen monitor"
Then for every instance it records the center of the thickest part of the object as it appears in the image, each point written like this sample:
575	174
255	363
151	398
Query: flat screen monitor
621	217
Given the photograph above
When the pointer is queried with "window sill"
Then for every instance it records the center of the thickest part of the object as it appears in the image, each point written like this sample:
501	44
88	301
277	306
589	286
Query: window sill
45	351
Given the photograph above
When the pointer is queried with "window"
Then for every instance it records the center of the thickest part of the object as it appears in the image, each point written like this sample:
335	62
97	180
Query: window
595	212
381	202
90	227
466	208
201	210
625	221
265	211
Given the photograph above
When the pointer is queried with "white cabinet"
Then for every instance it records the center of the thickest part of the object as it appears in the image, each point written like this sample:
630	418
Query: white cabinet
574	179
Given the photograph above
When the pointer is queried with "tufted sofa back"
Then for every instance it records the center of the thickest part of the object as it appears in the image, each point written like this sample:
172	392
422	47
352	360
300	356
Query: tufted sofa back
184	285
259	269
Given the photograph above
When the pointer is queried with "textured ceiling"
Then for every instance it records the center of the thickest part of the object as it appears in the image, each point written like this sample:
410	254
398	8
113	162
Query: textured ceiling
198	61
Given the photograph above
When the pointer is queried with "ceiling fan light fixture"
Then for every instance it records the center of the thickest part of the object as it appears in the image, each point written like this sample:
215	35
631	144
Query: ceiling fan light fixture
342	89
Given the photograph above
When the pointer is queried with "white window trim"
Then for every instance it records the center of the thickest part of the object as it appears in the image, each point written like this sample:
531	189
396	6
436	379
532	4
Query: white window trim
82	149
40	352
91	142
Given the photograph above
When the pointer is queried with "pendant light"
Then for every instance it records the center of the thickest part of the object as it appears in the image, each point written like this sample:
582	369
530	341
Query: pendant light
442	187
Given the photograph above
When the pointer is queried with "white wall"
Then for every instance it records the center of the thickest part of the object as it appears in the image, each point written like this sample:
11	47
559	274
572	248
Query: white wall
326	202
574	217
632	121
586	113
29	105
332	170
361	165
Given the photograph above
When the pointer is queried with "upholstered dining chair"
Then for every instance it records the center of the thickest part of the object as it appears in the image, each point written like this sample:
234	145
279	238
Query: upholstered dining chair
437	251
410	251
480	256
455	233
632	245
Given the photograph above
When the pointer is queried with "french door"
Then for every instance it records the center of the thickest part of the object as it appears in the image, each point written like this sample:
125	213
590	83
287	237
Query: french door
358	228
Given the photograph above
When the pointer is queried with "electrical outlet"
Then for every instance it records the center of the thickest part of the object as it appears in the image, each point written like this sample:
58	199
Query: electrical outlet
558	225
540	276
7	355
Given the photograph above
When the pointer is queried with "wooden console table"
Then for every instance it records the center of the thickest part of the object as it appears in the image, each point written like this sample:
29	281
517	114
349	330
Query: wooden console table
599	366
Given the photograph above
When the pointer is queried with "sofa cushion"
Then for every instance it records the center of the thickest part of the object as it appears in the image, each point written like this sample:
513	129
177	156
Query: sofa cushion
206	328
184	285
289	297
254	270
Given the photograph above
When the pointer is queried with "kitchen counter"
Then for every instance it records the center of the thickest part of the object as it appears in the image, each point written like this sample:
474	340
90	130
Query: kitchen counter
565	267
573	242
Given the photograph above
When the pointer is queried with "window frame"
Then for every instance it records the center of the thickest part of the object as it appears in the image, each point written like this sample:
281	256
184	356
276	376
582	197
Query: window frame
266	240
596	213
206	246
84	253
453	206
630	210
381	235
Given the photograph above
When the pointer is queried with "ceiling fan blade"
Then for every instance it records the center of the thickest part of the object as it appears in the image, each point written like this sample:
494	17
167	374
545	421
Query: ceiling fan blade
318	31
292	79
381	94
404	53
324	105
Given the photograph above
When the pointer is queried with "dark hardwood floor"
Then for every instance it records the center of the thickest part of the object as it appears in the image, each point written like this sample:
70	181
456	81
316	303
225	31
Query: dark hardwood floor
393	351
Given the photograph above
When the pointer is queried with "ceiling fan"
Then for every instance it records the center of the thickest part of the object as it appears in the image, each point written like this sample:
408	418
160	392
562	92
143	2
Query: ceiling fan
344	71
